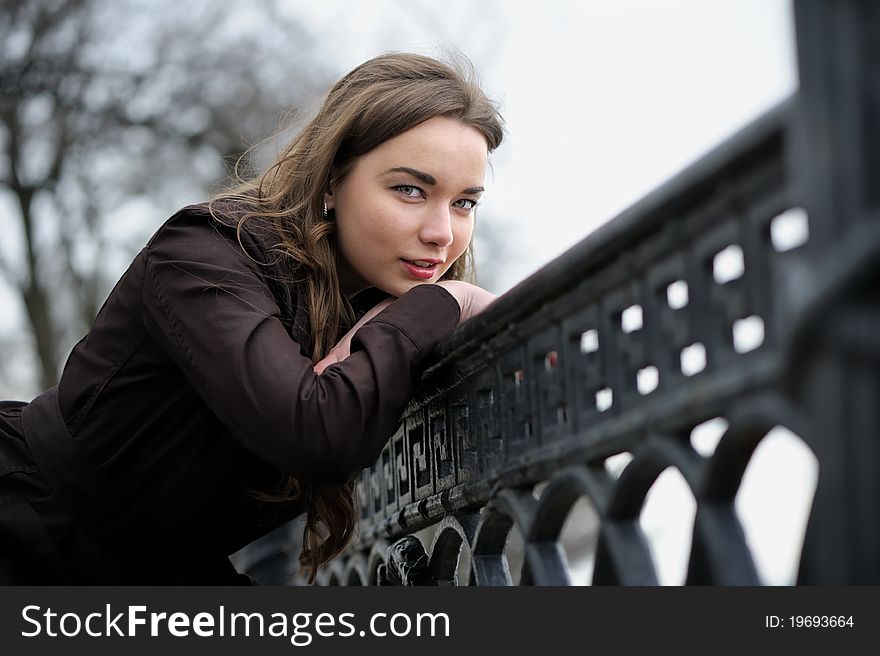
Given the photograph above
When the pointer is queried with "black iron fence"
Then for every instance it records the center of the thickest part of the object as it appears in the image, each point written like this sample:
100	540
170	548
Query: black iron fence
744	291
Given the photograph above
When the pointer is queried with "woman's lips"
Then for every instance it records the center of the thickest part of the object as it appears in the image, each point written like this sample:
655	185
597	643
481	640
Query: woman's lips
418	271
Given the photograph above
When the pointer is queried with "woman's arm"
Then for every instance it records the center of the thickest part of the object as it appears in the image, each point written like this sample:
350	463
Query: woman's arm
343	349
471	300
206	303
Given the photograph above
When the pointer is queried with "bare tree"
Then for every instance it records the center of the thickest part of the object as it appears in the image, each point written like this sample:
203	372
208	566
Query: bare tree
106	103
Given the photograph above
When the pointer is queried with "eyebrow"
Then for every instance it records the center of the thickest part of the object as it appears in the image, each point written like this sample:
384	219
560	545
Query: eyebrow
429	179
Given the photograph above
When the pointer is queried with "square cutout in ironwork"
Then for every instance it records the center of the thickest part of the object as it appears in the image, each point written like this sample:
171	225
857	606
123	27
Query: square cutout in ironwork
647	379
677	294
748	334
789	230
693	359
728	264
604	399
631	319
589	341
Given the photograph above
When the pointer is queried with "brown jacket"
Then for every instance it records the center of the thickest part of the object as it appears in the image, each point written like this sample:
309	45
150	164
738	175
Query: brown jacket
191	390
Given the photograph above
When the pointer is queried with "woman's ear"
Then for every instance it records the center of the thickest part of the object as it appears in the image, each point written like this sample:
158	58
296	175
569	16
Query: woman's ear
332	179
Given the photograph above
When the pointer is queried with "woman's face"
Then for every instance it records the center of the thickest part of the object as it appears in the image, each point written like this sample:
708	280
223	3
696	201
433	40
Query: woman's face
405	210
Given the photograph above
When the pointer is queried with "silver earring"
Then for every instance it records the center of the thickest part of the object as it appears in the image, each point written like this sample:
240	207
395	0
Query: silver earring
326	213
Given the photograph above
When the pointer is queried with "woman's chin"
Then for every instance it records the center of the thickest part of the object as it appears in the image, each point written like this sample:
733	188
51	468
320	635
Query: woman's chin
398	288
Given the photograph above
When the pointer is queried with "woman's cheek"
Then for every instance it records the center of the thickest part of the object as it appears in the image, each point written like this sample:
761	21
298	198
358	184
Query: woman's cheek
383	224
462	241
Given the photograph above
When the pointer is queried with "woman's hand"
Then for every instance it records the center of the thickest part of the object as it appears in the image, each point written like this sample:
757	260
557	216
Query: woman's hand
343	349
471	299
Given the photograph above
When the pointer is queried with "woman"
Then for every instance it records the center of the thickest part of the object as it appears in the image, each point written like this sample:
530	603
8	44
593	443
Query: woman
260	350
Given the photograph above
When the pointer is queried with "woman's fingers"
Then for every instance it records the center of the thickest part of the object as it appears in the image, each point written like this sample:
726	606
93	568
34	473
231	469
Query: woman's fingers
343	349
471	299
326	362
337	354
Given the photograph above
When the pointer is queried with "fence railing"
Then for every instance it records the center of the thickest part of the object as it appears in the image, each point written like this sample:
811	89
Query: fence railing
743	294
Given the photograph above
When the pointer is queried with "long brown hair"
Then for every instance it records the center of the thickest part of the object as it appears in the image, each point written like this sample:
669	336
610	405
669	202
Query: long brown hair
376	101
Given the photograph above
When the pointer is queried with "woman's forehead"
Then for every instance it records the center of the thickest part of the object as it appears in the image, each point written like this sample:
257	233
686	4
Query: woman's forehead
441	147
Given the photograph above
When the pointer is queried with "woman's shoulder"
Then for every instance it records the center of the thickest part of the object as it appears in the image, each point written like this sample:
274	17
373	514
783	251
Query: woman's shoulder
203	225
229	236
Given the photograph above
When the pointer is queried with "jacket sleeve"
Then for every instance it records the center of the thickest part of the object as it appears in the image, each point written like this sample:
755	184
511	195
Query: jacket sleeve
206	303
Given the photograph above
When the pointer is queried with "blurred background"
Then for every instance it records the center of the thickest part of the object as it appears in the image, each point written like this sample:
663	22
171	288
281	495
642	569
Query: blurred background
116	113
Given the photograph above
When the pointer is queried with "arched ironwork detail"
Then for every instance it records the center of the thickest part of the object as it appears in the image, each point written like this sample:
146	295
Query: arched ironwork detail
623	556
545	562
376	562
719	551
355	570
488	560
455	533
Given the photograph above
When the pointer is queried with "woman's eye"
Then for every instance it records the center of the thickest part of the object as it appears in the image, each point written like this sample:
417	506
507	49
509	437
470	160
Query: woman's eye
409	191
469	204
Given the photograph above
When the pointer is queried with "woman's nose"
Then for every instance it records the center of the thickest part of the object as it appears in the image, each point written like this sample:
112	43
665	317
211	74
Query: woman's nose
437	227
